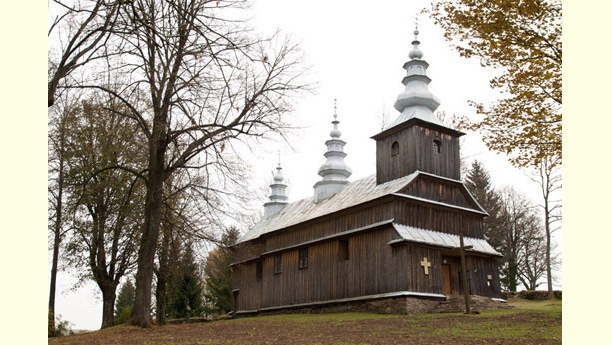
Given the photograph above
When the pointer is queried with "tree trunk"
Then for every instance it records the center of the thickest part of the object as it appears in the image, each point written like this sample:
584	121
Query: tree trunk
56	242
160	297
512	275
141	315
141	311
162	278
548	261
57	227
108	305
547	187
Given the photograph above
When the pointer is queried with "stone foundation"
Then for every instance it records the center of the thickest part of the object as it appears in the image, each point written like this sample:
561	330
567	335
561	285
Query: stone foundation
538	295
456	304
394	305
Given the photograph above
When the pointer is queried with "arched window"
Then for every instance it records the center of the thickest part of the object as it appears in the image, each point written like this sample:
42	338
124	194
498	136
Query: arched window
394	149
436	146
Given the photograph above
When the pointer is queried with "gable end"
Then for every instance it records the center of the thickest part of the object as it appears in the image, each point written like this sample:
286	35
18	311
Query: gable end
442	190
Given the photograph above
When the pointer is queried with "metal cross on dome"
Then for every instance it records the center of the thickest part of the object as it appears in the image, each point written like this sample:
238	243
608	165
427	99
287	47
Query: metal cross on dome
426	265
335	109
416	26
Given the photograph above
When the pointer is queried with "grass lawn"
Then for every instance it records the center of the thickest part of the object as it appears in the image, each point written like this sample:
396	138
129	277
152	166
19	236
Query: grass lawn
532	322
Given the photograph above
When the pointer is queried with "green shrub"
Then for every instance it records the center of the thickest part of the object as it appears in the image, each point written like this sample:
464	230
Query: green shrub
536	295
124	317
51	326
60	328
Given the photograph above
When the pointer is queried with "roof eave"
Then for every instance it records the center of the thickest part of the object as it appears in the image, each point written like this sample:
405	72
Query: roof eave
416	121
440	204
403	240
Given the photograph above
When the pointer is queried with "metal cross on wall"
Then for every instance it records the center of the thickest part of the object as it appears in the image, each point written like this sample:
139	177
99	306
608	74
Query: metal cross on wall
426	265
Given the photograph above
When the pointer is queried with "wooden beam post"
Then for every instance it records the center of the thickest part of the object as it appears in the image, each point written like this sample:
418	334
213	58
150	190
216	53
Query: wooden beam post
466	292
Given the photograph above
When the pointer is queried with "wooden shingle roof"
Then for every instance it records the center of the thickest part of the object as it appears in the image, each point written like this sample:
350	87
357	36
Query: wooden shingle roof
354	193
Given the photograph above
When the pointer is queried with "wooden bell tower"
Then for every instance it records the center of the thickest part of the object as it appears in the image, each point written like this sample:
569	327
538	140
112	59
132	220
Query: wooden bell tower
417	139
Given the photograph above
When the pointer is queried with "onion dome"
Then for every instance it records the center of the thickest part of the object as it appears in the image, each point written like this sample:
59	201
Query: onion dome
415	53
278	199
334	172
416	101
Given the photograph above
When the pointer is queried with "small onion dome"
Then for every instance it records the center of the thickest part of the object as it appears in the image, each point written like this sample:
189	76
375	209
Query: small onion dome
335	132
278	177
334	171
415	53
278	199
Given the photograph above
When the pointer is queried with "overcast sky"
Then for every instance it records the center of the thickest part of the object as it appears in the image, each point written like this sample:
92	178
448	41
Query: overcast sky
356	52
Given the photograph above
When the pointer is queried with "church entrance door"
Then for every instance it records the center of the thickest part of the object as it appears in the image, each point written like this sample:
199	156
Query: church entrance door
236	305
446	280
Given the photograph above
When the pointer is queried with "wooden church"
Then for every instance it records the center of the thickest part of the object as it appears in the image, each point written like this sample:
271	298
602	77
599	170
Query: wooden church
390	238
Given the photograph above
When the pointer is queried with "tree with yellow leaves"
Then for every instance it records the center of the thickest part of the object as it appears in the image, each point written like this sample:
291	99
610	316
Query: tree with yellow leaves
523	40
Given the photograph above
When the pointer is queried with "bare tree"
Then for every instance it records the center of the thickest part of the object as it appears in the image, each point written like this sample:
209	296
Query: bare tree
208	81
79	30
383	118
187	220
532	258
195	79
57	168
548	177
517	217
179	224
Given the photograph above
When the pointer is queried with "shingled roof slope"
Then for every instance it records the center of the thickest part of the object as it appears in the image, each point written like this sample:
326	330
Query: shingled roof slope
436	238
354	193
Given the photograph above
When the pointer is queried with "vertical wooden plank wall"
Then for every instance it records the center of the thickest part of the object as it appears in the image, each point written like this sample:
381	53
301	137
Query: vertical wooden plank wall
439	190
479	269
243	278
416	153
329	226
418	281
370	269
247	250
438	219
373	267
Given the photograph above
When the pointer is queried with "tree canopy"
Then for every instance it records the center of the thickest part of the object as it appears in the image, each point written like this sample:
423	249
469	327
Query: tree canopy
522	39
104	205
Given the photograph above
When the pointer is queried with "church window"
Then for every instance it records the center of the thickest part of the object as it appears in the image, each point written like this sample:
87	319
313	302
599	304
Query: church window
343	250
303	258
258	270
436	146
394	149
278	264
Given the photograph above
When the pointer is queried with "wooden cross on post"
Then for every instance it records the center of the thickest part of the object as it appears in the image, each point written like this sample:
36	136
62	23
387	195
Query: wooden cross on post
466	293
